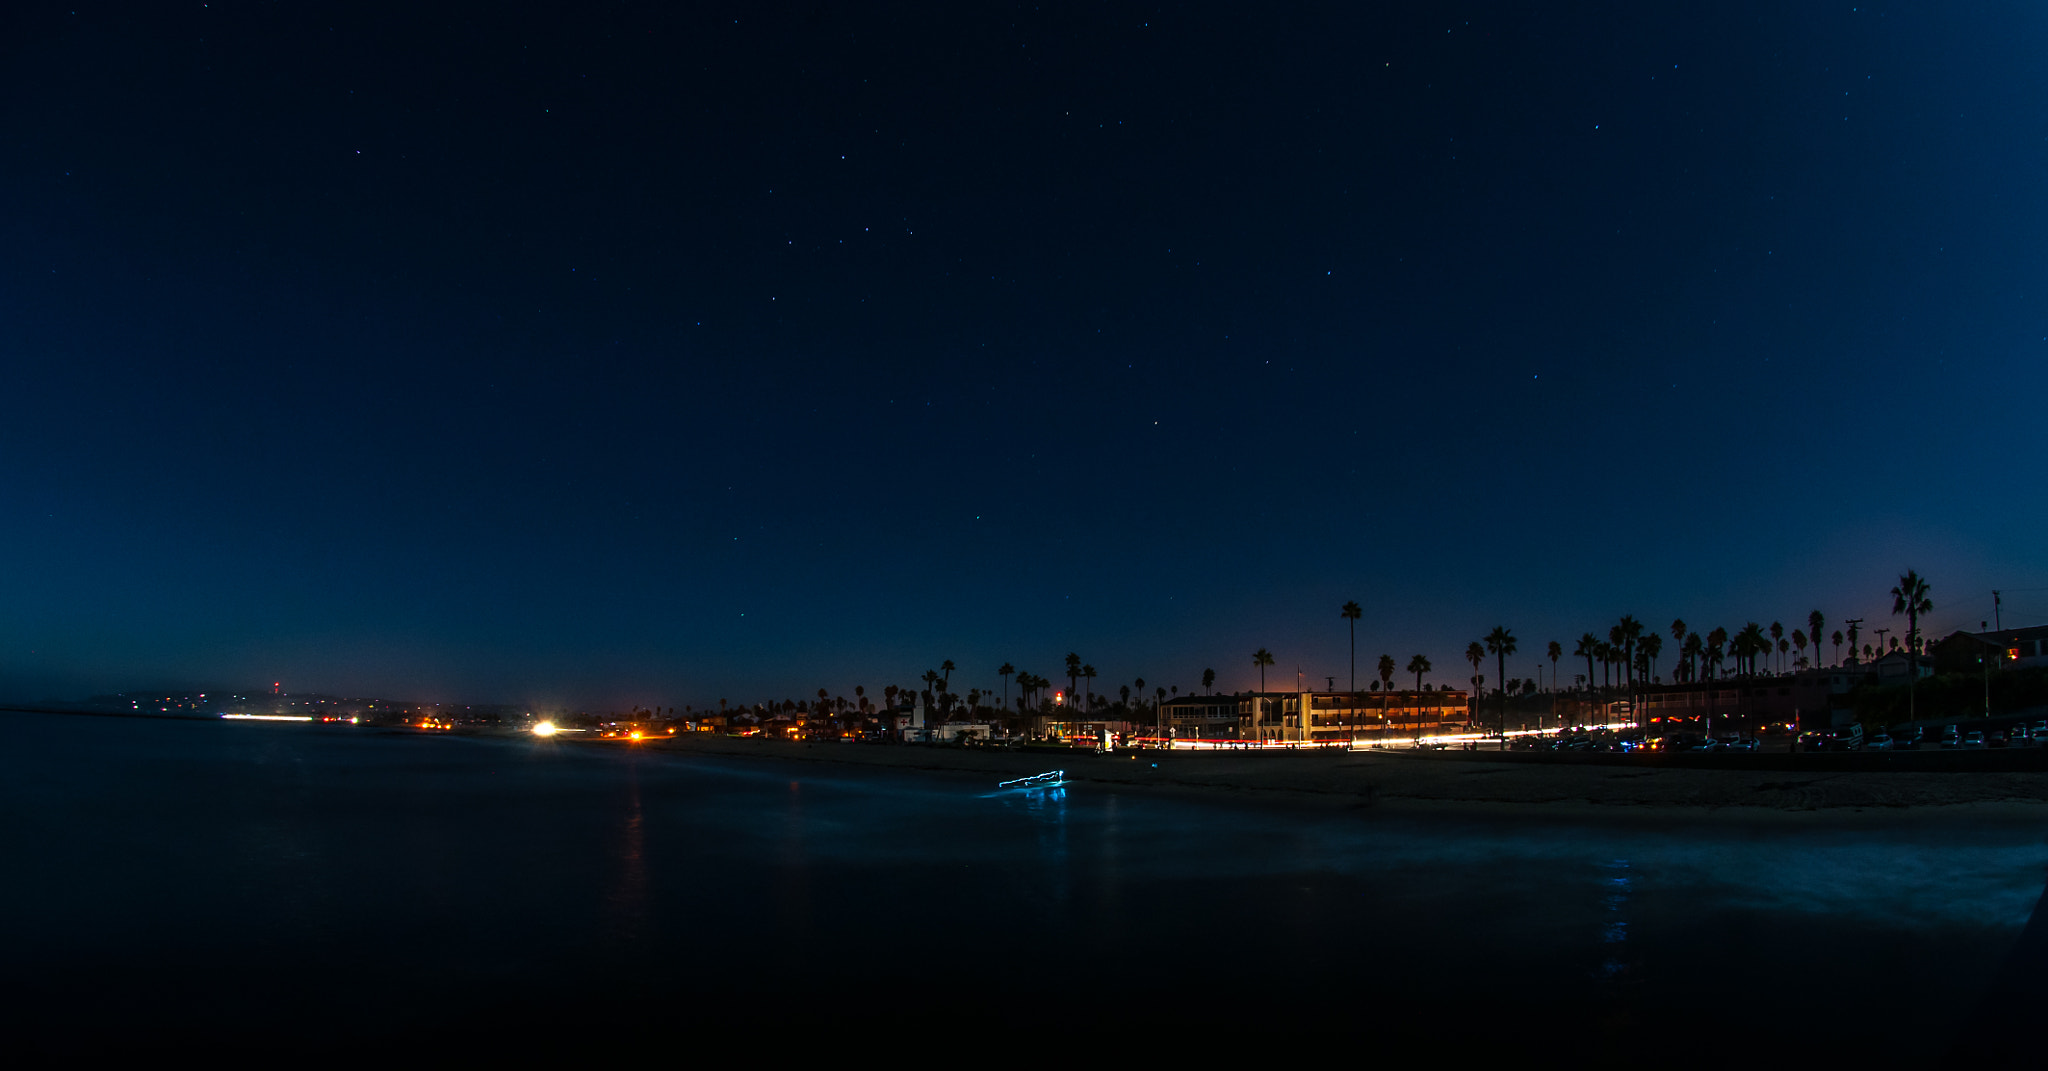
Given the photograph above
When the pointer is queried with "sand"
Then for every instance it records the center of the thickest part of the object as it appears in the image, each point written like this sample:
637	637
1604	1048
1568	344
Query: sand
1439	781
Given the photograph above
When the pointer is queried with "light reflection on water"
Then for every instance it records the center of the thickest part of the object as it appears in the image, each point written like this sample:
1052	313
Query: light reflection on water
330	862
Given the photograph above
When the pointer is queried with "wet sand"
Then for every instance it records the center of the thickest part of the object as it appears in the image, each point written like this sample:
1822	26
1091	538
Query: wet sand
1432	781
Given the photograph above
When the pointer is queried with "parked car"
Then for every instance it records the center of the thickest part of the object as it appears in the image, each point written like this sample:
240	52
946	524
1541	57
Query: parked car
1907	739
1996	739
1880	742
1745	743
1973	739
1951	737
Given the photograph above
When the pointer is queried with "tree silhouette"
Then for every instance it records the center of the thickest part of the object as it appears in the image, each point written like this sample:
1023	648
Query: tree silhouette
1909	597
1589	645
1208	680
1262	658
1501	643
1814	624
1351	612
1004	673
1556	652
1417	665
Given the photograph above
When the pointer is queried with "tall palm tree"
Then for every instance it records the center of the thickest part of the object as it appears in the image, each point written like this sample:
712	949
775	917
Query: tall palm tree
1631	631
1208	680
1589	645
1088	679
1351	613
1777	633
1260	658
1556	652
1910	598
1837	637
1693	650
1417	665
947	668
1649	647
1073	673
1747	644
1814	624
1799	643
1501	643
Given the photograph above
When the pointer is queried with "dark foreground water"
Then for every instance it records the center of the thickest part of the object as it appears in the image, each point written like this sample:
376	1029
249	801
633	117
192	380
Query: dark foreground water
300	890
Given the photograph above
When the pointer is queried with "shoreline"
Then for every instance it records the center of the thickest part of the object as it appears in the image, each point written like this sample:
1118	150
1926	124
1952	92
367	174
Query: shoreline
1435	784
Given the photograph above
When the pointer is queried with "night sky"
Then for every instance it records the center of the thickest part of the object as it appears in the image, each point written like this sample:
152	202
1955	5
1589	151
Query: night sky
634	353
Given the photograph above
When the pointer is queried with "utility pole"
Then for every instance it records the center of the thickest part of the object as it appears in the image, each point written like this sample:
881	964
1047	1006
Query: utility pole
1880	640
1997	609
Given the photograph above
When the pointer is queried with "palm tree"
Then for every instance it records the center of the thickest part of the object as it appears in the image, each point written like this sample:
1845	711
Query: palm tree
1073	672
1799	643
1747	645
1556	652
947	668
1910	598
1777	634
1351	613
1693	651
1650	646
1589	645
1004	673
1837	637
1631	631
1814	624
1088	697
1501	643
1417	665
1208	680
1260	658
1475	654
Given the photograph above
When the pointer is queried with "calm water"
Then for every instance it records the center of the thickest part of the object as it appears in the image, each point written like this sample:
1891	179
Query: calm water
177	882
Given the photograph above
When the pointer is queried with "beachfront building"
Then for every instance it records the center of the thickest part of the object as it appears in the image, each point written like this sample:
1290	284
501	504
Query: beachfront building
2013	648
1312	717
1200	717
1815	698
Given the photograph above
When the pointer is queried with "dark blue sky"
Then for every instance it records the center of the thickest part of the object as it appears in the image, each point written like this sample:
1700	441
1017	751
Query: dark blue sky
610	353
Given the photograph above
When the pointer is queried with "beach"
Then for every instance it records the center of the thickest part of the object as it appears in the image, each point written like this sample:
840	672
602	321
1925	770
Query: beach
1433	780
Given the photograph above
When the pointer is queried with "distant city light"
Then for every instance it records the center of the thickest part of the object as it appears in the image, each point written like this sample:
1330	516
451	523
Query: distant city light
266	717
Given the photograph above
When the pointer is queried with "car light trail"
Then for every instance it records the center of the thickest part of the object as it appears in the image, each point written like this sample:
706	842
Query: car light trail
265	717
